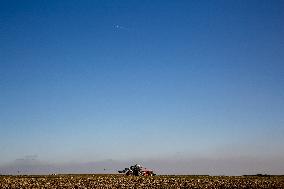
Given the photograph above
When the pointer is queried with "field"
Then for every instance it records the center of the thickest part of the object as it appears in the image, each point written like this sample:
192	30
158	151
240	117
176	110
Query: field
121	181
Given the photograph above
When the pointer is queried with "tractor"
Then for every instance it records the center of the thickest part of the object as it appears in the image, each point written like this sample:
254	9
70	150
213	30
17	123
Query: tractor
137	170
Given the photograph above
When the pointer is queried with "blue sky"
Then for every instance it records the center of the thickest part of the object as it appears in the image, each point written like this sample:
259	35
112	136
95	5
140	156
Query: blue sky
84	81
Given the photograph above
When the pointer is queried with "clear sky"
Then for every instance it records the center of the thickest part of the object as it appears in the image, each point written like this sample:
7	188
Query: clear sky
93	80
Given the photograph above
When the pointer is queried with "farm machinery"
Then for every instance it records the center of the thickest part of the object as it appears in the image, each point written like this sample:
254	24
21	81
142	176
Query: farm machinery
137	170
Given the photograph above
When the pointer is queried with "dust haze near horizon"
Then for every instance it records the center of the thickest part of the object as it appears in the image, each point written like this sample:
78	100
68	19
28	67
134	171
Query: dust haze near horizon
181	86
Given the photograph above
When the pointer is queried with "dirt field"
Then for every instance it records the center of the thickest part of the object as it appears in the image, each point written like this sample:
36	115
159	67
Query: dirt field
120	181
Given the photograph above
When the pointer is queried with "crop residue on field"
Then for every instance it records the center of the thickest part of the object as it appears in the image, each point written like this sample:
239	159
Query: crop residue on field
119	181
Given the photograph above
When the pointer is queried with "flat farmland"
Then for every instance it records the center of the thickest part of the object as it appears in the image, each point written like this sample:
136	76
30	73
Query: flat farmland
121	181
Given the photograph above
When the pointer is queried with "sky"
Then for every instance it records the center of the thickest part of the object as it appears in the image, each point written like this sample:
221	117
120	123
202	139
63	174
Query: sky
183	86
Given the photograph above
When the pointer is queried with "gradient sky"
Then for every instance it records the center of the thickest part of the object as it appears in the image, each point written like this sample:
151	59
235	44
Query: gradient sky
84	81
